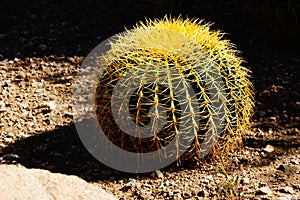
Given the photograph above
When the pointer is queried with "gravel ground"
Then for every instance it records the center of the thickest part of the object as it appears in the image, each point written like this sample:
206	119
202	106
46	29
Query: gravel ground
41	48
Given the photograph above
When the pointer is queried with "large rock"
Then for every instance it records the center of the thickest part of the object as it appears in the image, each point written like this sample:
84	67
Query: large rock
18	182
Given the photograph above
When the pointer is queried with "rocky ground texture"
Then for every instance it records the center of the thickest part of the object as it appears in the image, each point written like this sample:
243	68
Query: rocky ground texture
42	47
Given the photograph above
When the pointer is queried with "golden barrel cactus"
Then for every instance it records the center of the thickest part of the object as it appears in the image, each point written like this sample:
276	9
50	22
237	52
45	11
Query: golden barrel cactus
174	82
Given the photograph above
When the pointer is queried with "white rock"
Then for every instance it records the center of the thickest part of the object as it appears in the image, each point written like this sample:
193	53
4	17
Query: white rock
296	186
159	174
209	177
246	180
51	104
288	190
283	198
269	149
264	191
3	109
8	140
294	162
17	182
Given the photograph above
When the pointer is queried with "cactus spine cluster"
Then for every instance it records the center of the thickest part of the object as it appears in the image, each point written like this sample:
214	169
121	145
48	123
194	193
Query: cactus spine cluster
179	74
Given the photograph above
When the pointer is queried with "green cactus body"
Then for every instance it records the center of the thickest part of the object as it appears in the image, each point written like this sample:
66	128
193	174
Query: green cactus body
172	64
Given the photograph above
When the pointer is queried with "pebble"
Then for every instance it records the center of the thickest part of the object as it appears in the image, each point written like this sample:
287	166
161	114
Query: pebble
246	180
3	109
177	196
157	174
264	191
8	140
294	197
51	104
187	194
131	183
294	162
282	198
42	47
262	113
269	149
209	177
296	186
287	189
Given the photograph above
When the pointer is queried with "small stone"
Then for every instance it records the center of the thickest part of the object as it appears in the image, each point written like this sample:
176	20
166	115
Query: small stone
269	149
177	191
209	177
11	157
56	118
177	196
246	180
295	197
282	198
8	140
131	183
187	194
296	186
157	174
144	195
287	189
51	104
262	113
3	110
294	162
272	119
42	47
264	191
68	114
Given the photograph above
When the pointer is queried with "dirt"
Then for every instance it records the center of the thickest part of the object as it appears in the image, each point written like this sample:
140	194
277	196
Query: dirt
42	45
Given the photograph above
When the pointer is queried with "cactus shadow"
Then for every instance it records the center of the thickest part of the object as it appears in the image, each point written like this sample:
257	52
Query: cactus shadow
59	151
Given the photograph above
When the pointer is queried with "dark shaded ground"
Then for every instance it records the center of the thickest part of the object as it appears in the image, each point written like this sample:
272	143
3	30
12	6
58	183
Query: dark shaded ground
75	27
62	151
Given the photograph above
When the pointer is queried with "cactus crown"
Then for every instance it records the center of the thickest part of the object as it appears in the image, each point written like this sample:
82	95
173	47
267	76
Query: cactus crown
180	80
